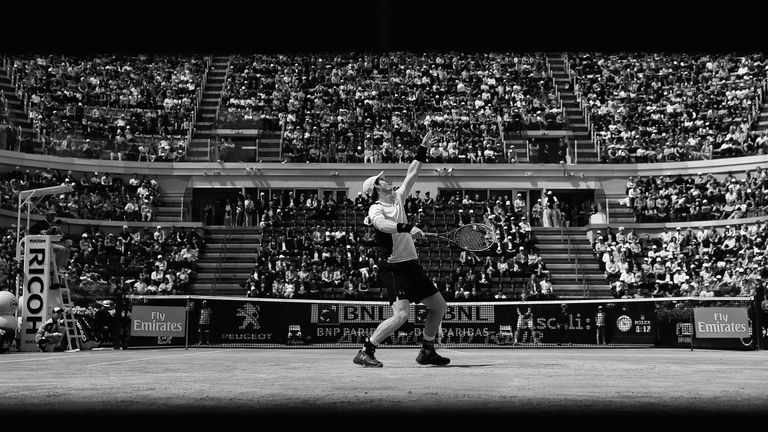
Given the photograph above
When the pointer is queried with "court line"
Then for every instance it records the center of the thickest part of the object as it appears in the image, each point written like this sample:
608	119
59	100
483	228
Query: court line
152	358
29	356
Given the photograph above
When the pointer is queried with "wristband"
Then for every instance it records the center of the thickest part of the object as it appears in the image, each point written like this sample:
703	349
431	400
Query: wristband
404	228
421	154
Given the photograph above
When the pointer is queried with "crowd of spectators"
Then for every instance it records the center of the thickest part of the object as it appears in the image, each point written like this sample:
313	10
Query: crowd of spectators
124	147
366	108
8	265
117	102
136	260
100	196
697	198
317	248
656	107
704	261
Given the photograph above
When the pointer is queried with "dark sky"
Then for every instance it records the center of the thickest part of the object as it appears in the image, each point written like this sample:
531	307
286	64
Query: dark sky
378	25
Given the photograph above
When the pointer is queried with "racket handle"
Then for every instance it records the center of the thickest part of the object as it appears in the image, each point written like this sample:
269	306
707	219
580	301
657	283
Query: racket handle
430	234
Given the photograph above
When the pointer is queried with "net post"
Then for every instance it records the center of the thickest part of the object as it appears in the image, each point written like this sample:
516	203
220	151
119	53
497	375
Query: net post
186	324
757	322
693	326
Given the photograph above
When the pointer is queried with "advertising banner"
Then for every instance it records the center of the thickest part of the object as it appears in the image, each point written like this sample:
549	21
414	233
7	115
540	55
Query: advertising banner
251	322
35	304
165	321
721	322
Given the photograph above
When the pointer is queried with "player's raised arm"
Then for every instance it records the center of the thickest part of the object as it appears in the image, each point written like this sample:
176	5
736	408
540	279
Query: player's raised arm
420	158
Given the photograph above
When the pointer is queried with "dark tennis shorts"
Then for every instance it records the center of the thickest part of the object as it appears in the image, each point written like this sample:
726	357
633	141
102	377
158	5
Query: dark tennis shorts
405	280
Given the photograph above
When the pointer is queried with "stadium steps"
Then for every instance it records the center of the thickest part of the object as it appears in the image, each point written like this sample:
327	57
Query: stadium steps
578	292
762	123
269	146
168	213
569	279
229	289
618	213
206	113
16	111
520	146
237	265
571	110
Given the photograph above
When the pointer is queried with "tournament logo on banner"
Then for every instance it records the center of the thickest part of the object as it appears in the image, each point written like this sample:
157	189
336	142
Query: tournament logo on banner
37	281
158	321
721	322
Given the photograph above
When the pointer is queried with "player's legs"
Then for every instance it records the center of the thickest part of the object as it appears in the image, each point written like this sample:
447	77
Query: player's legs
391	324
366	356
437	307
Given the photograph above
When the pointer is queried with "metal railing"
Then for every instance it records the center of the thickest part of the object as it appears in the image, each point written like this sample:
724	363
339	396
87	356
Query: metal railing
221	258
582	104
576	269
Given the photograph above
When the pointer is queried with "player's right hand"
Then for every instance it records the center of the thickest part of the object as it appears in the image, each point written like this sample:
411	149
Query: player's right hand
417	233
429	140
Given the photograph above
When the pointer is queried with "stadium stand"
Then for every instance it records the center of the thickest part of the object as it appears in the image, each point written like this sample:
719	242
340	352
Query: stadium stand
547	118
708	261
648	107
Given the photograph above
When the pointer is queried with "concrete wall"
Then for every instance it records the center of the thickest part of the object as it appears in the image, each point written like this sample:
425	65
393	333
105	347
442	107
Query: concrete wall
175	178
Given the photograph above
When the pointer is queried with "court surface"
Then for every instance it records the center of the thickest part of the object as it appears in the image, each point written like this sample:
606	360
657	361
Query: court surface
486	382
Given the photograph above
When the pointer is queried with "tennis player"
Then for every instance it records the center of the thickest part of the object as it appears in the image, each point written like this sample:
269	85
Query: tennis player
400	273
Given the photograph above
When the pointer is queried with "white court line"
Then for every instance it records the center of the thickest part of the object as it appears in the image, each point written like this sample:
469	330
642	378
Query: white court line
25	392
38	358
152	358
459	352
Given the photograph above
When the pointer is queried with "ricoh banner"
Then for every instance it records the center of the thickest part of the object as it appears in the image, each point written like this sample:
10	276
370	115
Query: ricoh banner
36	300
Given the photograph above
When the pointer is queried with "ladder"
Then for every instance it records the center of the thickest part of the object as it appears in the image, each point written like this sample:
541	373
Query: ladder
70	323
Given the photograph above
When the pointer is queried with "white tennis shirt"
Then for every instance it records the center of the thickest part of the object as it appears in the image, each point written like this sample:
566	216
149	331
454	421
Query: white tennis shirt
397	247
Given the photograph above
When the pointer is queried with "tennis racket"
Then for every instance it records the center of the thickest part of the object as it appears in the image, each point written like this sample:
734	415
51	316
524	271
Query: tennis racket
473	237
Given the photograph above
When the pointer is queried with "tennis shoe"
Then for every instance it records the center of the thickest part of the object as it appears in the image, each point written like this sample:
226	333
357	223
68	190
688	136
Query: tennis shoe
366	359
431	357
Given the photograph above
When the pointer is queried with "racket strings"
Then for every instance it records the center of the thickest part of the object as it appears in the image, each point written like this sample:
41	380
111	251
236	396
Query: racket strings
475	237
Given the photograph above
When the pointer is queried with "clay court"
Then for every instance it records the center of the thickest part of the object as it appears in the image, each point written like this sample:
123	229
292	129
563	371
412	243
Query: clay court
265	382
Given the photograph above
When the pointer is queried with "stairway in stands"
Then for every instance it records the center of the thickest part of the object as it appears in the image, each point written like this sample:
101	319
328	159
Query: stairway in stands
15	106
618	212
206	114
762	124
567	282
573	114
239	259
